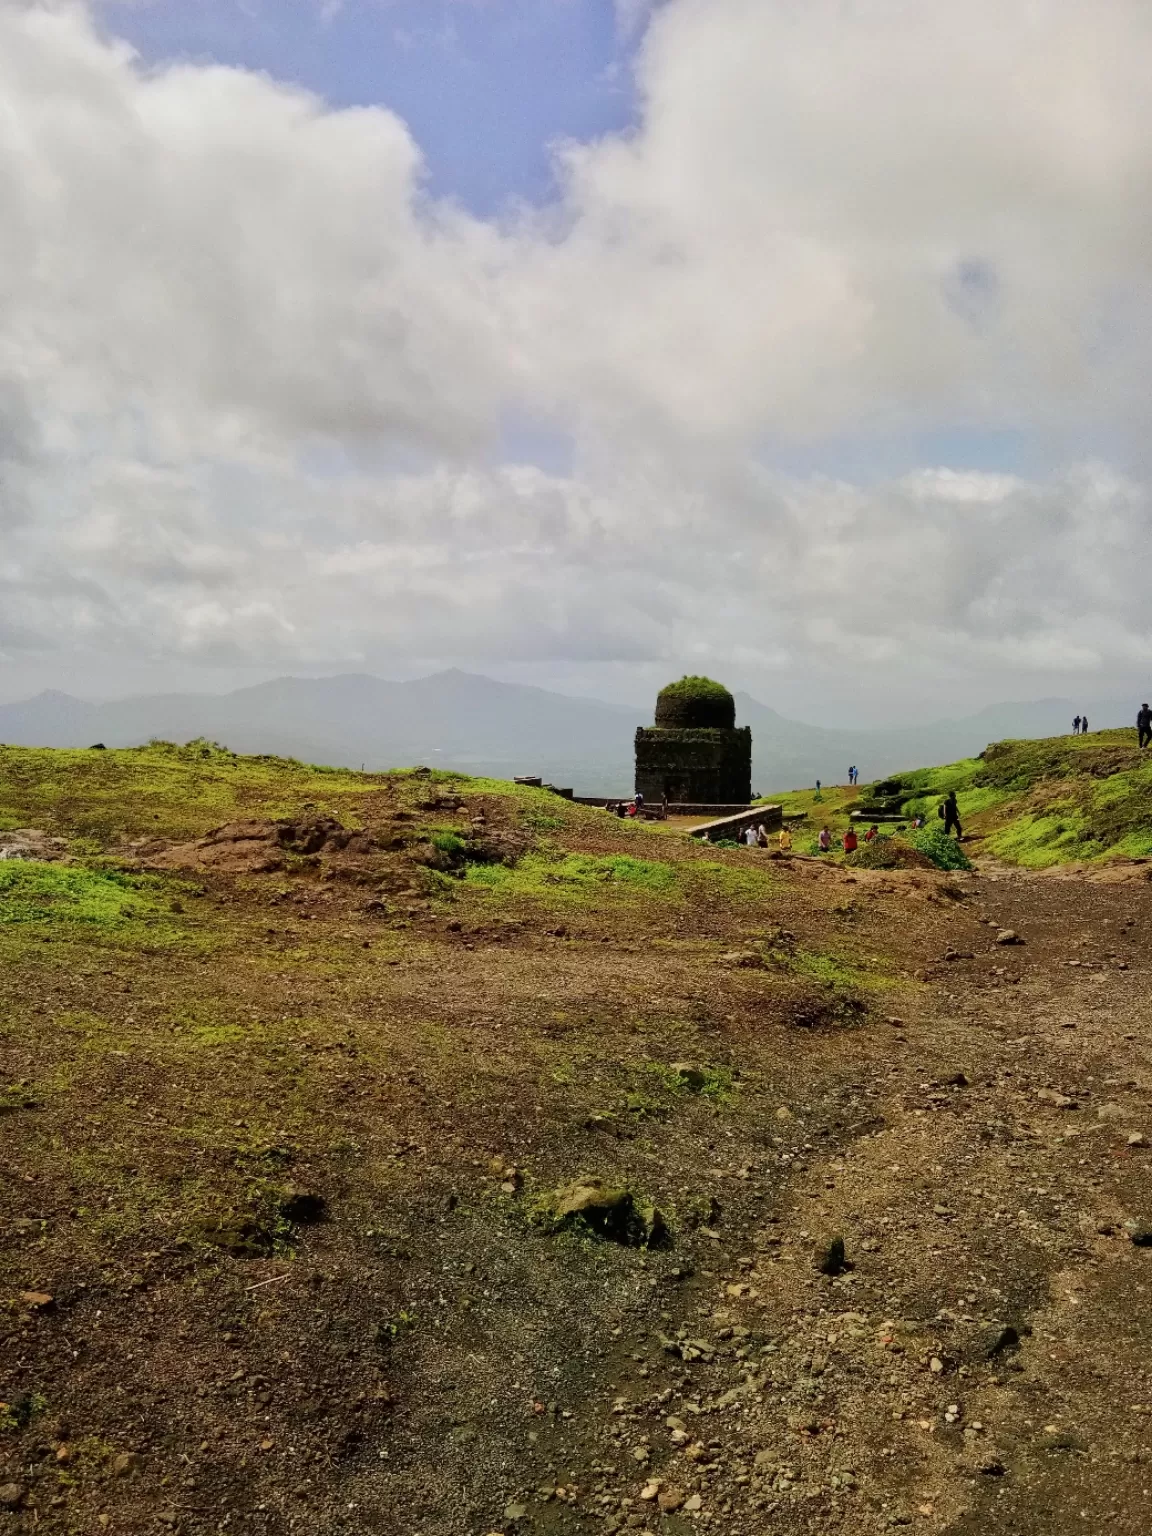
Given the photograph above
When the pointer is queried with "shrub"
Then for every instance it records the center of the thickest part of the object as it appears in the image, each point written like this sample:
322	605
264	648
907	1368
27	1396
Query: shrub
887	853
449	843
941	849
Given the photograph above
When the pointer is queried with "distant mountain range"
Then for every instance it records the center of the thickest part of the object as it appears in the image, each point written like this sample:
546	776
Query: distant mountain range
461	720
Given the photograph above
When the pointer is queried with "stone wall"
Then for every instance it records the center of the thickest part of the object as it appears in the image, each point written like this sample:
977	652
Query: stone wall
698	765
770	817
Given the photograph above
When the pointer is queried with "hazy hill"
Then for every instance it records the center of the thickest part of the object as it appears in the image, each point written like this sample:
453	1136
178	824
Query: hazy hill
461	720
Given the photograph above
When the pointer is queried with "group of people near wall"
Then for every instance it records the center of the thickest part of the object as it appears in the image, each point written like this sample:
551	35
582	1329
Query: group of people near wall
633	807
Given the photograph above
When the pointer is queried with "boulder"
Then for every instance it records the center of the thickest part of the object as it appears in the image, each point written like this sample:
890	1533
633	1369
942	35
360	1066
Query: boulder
303	1207
689	1076
608	1211
828	1255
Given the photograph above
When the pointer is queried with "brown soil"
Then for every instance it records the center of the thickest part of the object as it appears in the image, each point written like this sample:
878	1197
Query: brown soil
269	1256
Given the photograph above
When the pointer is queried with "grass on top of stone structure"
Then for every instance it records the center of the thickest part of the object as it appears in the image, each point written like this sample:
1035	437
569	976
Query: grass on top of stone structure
695	687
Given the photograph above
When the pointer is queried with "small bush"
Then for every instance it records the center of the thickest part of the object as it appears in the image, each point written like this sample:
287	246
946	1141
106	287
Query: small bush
943	851
449	843
887	853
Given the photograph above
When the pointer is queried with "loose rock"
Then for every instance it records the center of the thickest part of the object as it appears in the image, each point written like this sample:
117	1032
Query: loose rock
610	1213
303	1206
828	1255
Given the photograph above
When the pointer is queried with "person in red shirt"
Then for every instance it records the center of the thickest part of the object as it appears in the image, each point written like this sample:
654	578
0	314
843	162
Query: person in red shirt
873	831
850	842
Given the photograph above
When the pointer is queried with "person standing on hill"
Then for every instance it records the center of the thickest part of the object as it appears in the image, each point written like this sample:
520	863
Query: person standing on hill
824	841
1144	725
950	811
851	842
785	840
1076	726
1083	725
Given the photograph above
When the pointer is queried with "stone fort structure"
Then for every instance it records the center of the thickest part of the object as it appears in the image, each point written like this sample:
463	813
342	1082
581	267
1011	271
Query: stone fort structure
694	752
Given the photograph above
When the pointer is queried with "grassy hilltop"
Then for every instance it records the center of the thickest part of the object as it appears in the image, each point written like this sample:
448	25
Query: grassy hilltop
1033	803
418	1155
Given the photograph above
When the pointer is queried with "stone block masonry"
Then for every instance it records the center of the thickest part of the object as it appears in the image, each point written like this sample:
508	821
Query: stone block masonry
696	764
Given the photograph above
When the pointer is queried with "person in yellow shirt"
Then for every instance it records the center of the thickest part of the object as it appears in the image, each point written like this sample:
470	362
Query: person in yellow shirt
785	840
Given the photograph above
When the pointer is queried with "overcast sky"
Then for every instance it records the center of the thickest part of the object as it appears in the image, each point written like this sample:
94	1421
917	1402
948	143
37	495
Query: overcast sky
802	342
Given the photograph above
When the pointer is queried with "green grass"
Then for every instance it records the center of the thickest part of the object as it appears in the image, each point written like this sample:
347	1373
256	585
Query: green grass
935	844
181	792
695	687
1034	803
718	1083
93	901
161	790
581	879
574	877
839	972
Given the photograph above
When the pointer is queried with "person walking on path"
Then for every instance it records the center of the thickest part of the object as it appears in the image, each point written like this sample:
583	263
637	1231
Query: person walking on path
850	841
950	811
1076	726
785	840
824	841
1144	725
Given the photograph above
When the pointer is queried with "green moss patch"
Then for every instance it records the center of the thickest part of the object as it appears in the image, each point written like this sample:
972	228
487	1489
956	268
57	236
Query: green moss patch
574	877
97	901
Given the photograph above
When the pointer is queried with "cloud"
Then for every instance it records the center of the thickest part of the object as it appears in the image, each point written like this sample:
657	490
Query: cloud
253	378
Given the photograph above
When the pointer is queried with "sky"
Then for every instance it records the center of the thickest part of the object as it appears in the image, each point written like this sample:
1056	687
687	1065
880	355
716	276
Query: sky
805	343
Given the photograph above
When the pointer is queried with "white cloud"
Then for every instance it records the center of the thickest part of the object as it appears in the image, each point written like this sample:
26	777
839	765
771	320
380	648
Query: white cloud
252	376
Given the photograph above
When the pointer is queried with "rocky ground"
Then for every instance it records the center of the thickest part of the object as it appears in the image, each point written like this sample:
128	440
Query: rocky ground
281	1245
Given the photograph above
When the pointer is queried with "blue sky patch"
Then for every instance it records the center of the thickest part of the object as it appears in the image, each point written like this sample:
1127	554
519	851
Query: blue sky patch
486	86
